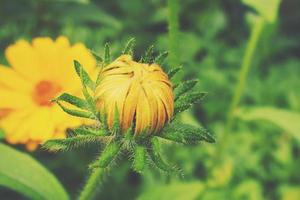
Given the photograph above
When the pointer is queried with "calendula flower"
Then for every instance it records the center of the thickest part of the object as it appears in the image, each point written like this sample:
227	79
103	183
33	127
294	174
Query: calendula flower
38	72
141	92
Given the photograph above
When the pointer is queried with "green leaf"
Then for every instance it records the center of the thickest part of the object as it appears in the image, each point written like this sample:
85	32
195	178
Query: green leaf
20	172
90	100
184	87
266	8
161	58
173	71
107	156
187	100
285	119
139	159
89	131
68	143
106	54
76	101
186	134
148	57
76	113
173	191
98	58
116	121
154	153
84	76
129	47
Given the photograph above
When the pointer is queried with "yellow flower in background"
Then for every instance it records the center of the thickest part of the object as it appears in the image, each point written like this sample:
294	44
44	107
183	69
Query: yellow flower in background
39	72
141	92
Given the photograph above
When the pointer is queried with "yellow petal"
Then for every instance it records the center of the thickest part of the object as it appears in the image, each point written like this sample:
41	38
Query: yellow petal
22	57
11	80
14	100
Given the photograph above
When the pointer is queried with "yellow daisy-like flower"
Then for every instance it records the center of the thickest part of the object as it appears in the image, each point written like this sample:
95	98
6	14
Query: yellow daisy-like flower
141	92
38	73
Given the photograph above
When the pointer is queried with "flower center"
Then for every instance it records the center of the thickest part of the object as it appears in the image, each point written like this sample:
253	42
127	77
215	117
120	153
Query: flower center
4	112
45	91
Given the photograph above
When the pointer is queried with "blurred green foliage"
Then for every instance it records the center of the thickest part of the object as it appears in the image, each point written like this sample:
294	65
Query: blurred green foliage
260	161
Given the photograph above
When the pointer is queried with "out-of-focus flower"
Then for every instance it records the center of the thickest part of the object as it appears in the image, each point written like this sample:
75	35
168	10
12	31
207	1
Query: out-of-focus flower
38	73
141	92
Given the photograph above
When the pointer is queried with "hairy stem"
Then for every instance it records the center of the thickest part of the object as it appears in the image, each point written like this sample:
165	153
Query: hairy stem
92	185
239	88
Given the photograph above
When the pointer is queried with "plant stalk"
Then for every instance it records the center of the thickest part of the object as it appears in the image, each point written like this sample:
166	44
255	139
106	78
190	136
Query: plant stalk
173	26
92	185
242	78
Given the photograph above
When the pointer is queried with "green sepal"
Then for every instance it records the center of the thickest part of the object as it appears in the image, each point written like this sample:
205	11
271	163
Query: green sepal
186	134
116	121
184	87
68	143
103	120
84	76
85	131
148	56
106	54
154	153
140	157
187	100
73	100
76	113
129	47
107	156
161	58
173	71
90	101
97	57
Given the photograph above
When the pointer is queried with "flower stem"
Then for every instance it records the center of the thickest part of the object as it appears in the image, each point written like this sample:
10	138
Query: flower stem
244	71
92	185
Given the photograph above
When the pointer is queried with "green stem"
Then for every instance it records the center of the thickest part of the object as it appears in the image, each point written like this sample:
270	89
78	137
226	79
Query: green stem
92	185
173	26
246	64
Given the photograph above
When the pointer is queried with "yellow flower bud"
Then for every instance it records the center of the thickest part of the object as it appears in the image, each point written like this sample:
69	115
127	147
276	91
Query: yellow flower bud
141	92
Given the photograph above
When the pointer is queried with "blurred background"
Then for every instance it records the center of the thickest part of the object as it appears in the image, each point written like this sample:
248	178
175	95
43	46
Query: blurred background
257	151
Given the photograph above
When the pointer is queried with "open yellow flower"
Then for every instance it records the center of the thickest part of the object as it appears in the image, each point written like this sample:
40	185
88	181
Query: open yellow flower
38	73
141	92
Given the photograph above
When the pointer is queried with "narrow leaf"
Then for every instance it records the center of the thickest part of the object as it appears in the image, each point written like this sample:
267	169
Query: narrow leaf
85	131
173	71
20	172
90	100
98	58
83	75
154	152
129	47
186	134
148	56
76	101
184	87
187	100
76	113
68	143
106	54
161	58
139	159
116	121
